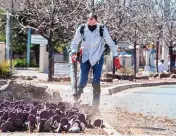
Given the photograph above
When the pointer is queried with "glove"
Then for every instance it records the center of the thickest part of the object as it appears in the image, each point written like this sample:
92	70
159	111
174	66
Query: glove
117	63
79	55
74	58
80	52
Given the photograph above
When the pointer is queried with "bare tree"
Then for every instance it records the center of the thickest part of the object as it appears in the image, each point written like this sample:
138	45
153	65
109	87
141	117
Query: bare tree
135	21
115	14
166	10
55	20
139	28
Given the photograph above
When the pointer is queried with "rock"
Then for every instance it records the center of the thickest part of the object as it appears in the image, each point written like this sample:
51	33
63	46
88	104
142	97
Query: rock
66	79
40	126
98	123
44	114
3	127
3	82
74	130
18	124
115	80
4	85
108	75
29	78
129	78
9	126
82	118
107	79
56	79
174	70
47	125
142	77
83	126
31	119
164	75
173	76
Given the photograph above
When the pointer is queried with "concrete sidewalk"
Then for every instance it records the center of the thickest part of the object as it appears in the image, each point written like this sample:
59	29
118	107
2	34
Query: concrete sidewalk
67	88
33	72
110	88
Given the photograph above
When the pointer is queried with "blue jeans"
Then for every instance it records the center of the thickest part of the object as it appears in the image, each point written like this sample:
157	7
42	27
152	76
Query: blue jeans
84	72
83	78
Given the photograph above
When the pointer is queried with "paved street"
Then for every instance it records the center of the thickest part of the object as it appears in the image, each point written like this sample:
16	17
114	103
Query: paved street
155	101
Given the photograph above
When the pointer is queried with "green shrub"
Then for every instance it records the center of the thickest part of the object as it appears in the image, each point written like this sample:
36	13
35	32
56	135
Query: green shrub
5	70
20	62
33	64
23	63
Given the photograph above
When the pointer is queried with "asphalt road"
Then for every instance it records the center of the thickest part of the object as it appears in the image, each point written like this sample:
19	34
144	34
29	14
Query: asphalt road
155	101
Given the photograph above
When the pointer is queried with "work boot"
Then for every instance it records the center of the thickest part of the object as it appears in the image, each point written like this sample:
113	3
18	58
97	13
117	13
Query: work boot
96	97
95	103
80	89
77	95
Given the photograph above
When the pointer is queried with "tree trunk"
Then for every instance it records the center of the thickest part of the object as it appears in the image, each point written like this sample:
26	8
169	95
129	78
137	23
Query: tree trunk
157	50
36	51
171	57
93	6
113	68
135	43
50	58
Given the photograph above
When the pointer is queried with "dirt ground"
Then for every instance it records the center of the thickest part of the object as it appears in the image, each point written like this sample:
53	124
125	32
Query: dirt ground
128	123
135	123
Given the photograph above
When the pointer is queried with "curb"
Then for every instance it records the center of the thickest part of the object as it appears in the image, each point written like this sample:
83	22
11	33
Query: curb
4	87
119	88
110	130
25	68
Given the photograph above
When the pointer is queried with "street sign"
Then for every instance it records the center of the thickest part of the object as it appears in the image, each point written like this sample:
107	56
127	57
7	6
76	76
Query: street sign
38	39
61	69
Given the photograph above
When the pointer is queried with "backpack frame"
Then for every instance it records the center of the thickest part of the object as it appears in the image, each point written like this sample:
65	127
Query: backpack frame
82	30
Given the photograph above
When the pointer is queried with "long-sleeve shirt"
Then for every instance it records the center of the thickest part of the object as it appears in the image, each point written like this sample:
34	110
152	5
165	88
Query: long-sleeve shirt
93	44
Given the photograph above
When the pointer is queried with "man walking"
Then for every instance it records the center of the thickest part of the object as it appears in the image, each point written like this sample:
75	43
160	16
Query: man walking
92	36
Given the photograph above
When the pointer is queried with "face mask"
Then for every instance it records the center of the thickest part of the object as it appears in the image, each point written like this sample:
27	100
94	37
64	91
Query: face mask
92	27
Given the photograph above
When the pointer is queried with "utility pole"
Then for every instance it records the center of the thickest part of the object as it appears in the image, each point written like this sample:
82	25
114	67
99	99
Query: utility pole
11	35
7	34
28	47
